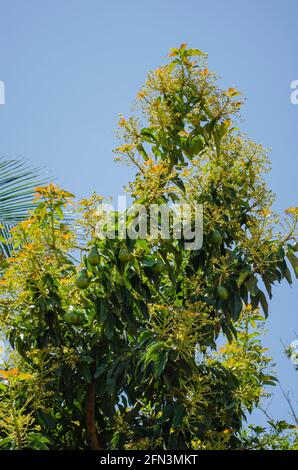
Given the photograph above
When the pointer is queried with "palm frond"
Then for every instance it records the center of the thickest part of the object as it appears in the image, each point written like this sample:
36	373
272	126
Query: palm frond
5	244
17	183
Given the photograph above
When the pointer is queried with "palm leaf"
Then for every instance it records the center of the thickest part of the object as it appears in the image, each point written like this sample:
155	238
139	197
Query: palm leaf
17	183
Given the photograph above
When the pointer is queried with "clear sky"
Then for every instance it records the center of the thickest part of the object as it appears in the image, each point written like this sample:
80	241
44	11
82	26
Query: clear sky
70	66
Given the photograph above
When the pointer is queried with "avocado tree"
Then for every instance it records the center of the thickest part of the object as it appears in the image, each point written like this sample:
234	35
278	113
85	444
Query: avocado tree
122	344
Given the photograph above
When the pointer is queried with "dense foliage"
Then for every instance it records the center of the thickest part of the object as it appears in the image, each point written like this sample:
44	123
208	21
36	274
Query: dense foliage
120	349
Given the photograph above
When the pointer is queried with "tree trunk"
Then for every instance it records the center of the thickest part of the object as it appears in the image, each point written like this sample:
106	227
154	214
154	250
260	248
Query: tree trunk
90	419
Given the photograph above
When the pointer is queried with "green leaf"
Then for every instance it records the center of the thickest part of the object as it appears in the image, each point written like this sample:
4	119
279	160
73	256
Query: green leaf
174	196
294	261
178	416
264	302
195	52
254	300
196	144
148	135
179	183
3	387
237	307
101	309
267	285
145	336
4	442
243	275
151	352
117	440
217	140
252	285
161	363
148	261
109	326
59	212
99	370
167	412
287	274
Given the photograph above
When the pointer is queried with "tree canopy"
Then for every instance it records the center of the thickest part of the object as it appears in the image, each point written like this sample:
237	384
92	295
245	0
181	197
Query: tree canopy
141	343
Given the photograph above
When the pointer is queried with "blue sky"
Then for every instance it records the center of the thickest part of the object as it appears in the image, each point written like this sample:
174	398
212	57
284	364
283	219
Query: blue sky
70	66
